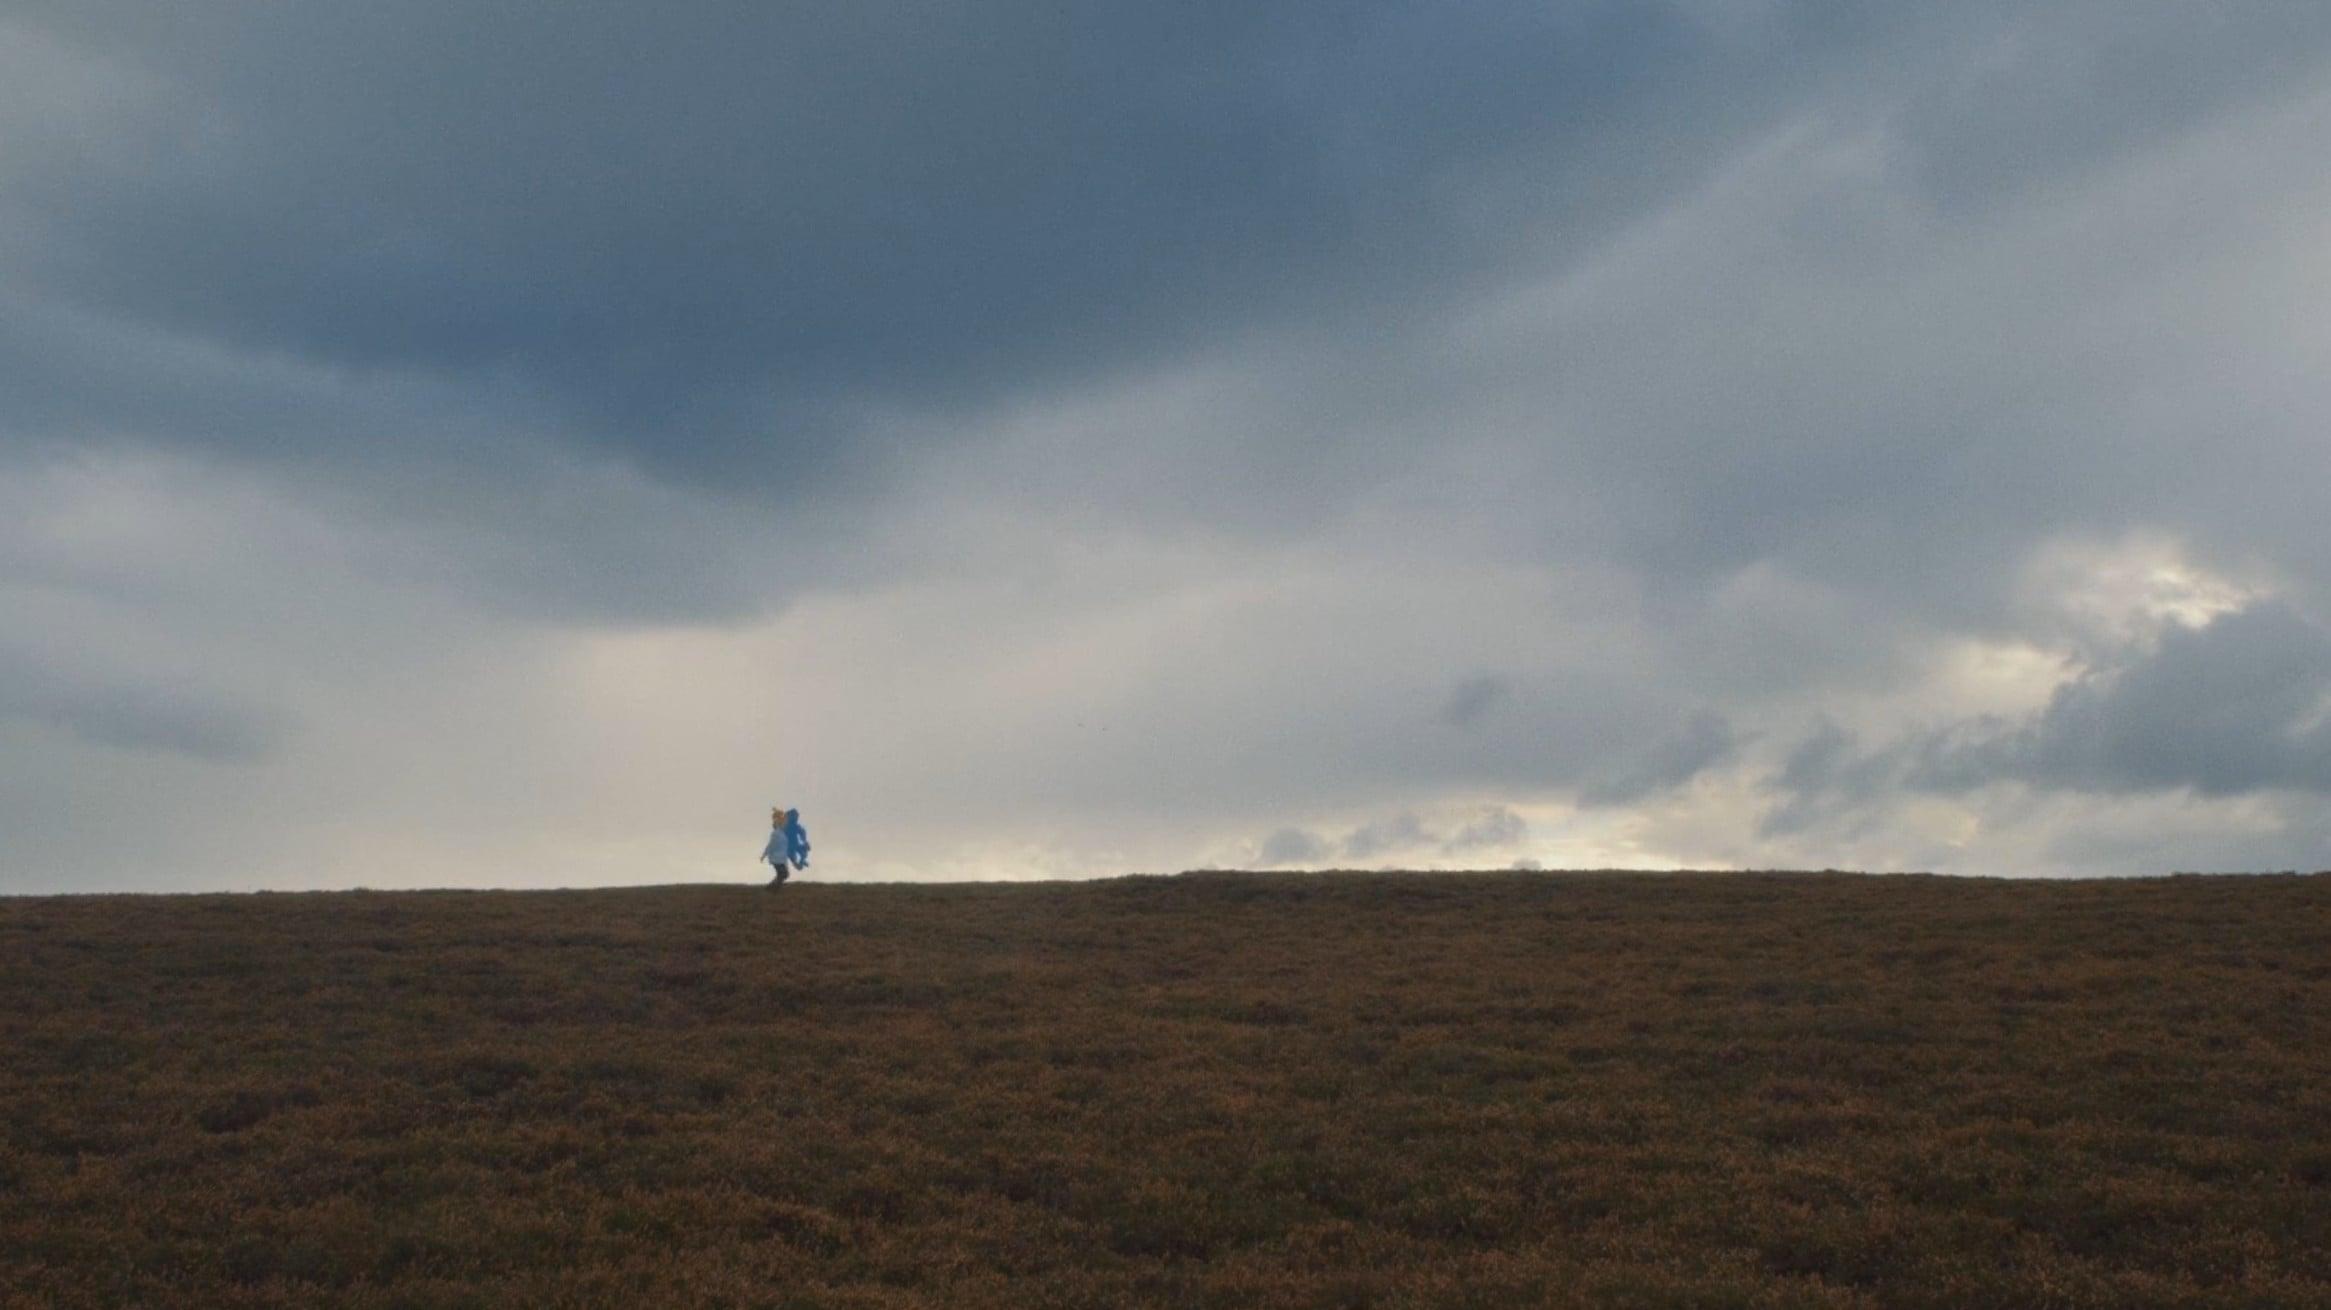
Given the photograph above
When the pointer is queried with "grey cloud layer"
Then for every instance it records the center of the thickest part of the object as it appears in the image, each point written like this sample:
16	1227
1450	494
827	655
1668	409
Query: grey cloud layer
1273	415
714	236
137	714
742	246
705	233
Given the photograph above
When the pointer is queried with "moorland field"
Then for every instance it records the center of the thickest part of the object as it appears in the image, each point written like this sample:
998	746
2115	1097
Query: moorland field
1210	1090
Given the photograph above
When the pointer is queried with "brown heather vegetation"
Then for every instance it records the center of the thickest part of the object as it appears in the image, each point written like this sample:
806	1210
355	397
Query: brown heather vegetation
1212	1090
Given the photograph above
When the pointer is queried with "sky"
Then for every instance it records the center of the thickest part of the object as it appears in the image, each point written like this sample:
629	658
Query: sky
501	445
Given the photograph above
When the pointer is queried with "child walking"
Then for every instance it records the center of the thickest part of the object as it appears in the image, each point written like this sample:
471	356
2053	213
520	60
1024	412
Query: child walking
788	847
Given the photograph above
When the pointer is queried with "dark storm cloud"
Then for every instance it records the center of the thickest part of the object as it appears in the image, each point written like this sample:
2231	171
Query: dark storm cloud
725	239
740	245
710	235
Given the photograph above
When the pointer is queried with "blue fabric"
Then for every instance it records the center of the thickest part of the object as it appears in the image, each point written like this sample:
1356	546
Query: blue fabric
774	852
796	839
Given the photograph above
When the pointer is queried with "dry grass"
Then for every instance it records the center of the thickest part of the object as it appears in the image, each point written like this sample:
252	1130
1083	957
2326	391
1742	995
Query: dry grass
1213	1090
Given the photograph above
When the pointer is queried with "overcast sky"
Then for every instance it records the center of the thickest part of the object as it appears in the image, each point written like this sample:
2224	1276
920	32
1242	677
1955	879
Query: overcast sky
445	443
